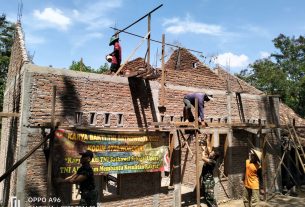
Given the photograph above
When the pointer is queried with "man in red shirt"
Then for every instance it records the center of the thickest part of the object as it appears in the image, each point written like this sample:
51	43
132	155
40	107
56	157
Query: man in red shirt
116	54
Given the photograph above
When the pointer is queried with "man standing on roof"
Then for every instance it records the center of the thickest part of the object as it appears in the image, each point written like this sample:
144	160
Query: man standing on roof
189	100
116	55
85	178
251	178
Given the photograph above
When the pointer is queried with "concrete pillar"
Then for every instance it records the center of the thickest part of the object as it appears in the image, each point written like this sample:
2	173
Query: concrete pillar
24	131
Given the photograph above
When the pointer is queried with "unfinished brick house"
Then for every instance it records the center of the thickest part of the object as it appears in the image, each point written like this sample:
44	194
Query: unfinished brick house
239	118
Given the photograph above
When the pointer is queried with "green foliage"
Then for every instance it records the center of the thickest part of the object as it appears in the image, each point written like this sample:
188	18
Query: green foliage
103	68
283	73
80	66
6	41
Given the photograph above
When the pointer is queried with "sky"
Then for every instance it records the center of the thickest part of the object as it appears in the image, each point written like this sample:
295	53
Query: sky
231	33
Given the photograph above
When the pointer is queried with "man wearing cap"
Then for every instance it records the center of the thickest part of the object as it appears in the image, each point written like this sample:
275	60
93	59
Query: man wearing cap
116	54
252	177
84	177
189	100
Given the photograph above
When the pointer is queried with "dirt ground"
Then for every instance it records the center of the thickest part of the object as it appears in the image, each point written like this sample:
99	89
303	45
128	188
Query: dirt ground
274	201
279	200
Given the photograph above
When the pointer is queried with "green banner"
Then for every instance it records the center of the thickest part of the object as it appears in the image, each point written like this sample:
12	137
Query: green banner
115	152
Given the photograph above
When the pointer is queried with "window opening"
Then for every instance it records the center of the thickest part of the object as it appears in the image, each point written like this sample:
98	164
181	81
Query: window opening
195	65
107	119
78	117
92	117
120	119
162	118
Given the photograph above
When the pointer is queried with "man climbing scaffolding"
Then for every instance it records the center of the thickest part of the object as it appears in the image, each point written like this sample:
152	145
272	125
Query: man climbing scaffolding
116	55
189	100
207	182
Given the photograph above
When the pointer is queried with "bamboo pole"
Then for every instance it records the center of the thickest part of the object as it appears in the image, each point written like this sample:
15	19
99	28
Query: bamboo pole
156	41
19	162
51	143
148	38
197	155
163	73
147	14
9	114
132	53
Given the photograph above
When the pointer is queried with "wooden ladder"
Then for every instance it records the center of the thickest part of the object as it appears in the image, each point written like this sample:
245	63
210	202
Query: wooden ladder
297	145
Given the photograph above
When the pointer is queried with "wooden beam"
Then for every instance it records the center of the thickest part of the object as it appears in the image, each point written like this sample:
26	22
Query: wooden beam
196	113
162	101
149	13
148	38
186	142
131	54
51	143
197	168
19	162
9	114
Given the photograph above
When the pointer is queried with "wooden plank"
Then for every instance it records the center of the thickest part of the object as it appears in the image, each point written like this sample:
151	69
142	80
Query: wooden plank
51	143
287	169
186	143
9	114
131	54
162	101
197	168
149	13
196	113
148	38
19	162
264	168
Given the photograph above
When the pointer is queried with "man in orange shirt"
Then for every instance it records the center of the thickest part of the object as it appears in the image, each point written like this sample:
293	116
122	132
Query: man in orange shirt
251	178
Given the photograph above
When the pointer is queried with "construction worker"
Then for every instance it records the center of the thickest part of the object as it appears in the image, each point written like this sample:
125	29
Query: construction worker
251	178
189	100
209	162
84	177
116	55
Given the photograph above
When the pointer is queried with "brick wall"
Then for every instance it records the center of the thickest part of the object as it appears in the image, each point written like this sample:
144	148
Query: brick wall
133	98
10	134
180	70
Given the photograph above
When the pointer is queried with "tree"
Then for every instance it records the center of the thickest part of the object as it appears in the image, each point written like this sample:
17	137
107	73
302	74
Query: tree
282	73
103	68
80	66
7	30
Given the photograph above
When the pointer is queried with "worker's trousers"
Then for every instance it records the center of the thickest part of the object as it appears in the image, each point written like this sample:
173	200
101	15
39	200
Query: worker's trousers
88	198
208	185
250	197
187	111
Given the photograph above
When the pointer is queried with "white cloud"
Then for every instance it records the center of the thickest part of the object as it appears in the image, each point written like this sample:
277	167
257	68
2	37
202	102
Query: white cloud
53	18
82	40
260	31
95	15
178	26
264	54
31	39
232	60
